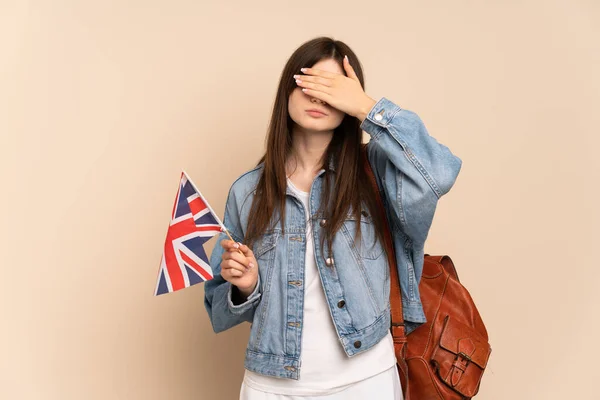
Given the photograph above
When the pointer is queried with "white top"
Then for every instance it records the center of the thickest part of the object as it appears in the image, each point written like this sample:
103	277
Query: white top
383	386
325	367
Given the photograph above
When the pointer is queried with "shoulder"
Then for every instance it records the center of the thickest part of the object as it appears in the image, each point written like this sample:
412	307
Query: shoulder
245	185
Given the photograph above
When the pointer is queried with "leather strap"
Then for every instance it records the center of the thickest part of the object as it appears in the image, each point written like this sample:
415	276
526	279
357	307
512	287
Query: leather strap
398	327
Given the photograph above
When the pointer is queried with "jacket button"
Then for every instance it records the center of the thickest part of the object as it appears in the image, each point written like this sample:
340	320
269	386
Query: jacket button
341	303
357	344
322	222
329	261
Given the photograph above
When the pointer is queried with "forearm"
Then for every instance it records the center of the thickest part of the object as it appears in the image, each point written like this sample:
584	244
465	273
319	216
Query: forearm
412	167
403	137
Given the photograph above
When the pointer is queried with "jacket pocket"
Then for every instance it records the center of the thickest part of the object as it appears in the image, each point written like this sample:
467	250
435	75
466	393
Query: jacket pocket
267	242
264	252
369	246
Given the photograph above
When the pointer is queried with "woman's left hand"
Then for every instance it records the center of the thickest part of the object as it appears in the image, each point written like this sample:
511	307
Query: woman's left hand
339	91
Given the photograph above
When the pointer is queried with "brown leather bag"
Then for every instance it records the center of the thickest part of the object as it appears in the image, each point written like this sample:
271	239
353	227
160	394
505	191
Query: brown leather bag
444	358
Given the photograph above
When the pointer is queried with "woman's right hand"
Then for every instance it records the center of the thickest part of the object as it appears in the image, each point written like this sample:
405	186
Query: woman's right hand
241	269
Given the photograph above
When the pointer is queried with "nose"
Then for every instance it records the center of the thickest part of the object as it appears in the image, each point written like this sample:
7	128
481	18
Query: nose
317	101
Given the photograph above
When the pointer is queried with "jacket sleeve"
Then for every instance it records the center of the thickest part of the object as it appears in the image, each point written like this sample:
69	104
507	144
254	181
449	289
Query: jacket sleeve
218	293
413	168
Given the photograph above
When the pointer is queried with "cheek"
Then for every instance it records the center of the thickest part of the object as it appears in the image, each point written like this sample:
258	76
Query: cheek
295	107
338	116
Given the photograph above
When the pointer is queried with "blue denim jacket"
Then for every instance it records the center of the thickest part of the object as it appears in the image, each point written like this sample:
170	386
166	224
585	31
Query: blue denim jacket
414	170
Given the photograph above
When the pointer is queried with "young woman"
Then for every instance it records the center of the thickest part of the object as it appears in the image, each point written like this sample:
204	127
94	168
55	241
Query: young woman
307	267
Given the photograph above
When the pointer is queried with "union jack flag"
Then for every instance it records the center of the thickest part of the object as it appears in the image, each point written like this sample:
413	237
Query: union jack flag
193	222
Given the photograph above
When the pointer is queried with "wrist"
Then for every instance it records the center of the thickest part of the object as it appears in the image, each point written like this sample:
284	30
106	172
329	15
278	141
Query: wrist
246	292
365	108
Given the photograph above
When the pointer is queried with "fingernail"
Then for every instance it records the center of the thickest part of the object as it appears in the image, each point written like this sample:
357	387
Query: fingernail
296	76
303	69
346	57
251	265
236	245
298	81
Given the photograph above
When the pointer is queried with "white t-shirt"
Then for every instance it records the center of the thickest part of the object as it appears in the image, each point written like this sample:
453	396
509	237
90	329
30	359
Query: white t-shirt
325	367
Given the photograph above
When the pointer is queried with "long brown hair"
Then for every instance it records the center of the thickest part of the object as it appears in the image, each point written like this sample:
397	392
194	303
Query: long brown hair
344	152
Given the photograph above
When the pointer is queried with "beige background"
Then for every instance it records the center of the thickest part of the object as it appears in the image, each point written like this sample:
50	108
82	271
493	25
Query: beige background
104	102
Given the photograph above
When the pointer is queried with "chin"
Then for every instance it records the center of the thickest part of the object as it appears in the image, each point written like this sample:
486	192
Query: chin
317	128
317	124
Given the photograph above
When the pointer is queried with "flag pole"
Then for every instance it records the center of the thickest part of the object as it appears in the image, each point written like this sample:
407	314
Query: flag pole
223	227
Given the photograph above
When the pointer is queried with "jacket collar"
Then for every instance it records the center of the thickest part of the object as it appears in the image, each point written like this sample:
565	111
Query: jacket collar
332	166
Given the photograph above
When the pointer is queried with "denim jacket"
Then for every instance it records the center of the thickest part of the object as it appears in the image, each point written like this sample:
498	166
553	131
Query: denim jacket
413	171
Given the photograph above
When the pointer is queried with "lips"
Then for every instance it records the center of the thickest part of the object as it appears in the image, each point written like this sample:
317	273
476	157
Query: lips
315	111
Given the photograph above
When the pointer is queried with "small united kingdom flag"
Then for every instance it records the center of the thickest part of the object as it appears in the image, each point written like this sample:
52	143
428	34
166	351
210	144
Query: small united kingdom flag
193	222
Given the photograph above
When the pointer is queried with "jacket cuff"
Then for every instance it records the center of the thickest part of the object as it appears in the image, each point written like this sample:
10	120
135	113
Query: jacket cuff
379	116
239	309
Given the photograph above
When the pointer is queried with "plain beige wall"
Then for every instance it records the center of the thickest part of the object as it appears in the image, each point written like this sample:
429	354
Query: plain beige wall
102	103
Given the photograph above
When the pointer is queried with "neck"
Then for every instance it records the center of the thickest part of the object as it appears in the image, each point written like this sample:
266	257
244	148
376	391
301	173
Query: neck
308	148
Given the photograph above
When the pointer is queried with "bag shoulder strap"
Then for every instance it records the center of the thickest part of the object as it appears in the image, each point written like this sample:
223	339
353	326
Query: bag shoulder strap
397	329
395	291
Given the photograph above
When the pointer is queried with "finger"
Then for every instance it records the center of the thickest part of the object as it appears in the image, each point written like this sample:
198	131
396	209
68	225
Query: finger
245	256
233	264
313	79
232	272
318	72
247	251
349	70
319	95
237	257
229	244
314	86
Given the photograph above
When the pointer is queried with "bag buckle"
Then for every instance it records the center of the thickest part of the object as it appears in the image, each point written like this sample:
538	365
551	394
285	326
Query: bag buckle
459	367
465	356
